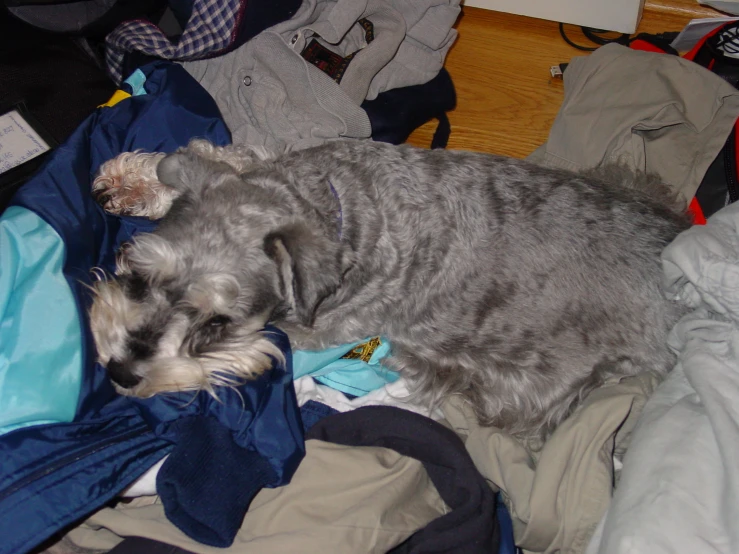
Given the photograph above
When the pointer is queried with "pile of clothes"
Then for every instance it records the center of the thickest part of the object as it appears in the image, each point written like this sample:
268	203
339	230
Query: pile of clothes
322	453
291	73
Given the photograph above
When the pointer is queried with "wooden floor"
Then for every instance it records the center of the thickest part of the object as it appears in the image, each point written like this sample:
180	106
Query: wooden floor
506	98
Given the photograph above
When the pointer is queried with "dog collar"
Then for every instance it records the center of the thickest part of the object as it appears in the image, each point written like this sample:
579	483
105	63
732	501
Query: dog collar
339	216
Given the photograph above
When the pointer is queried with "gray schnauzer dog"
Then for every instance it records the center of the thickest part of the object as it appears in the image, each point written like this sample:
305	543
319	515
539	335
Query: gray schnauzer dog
519	288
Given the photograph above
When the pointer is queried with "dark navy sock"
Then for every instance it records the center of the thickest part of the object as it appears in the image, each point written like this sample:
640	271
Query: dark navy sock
208	481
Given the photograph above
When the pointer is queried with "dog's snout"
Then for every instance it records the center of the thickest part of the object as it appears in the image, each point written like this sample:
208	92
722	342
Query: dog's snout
121	375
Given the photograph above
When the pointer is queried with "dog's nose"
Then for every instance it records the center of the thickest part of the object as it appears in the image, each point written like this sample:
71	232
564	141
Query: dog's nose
120	375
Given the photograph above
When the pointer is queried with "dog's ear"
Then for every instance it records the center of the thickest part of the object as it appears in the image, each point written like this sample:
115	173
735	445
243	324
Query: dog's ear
309	265
185	171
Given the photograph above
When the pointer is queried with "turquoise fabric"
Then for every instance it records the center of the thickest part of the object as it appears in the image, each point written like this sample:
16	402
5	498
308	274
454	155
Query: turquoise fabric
40	336
353	377
136	81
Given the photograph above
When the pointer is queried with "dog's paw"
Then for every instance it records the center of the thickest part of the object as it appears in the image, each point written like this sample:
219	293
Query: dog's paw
128	185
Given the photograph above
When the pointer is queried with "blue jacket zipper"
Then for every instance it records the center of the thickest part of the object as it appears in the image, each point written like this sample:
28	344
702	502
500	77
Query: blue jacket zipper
70	459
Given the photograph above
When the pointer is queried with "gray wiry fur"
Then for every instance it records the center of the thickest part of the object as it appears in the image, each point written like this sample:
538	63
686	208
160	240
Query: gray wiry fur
520	288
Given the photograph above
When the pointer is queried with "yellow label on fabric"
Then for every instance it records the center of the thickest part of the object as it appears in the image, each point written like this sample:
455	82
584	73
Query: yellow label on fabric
117	97
363	351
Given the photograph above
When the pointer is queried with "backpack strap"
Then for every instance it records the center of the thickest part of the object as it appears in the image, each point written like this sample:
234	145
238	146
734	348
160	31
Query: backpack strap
659	43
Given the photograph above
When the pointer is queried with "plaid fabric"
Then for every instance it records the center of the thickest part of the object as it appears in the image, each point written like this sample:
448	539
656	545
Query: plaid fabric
211	29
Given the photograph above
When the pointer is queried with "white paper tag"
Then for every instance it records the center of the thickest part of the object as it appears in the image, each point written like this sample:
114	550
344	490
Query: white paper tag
19	142
696	29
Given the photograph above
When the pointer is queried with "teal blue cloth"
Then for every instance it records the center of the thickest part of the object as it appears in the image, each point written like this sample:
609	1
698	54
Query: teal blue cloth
353	377
40	333
136	81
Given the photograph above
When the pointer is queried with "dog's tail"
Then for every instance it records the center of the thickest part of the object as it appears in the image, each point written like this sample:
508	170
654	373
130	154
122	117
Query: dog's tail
649	185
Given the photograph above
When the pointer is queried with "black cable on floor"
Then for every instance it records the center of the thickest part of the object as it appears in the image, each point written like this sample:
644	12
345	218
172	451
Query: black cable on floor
594	36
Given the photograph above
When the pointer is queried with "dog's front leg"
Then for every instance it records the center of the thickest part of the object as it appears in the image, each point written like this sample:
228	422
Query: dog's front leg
240	157
128	185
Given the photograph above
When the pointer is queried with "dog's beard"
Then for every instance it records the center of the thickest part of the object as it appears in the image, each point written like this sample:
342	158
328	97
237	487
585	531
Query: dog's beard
230	364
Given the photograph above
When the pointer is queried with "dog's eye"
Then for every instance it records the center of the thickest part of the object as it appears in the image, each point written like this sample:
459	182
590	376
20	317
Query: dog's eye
206	335
218	321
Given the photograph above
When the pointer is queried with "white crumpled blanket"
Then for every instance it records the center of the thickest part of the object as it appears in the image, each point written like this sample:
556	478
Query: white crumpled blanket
679	487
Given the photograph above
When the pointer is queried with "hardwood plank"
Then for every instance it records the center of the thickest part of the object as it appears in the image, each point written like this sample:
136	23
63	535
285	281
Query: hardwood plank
685	9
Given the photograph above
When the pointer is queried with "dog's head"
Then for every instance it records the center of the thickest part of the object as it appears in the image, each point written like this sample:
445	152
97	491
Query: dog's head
188	307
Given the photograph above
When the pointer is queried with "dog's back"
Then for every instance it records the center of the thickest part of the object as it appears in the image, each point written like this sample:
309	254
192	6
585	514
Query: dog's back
520	287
